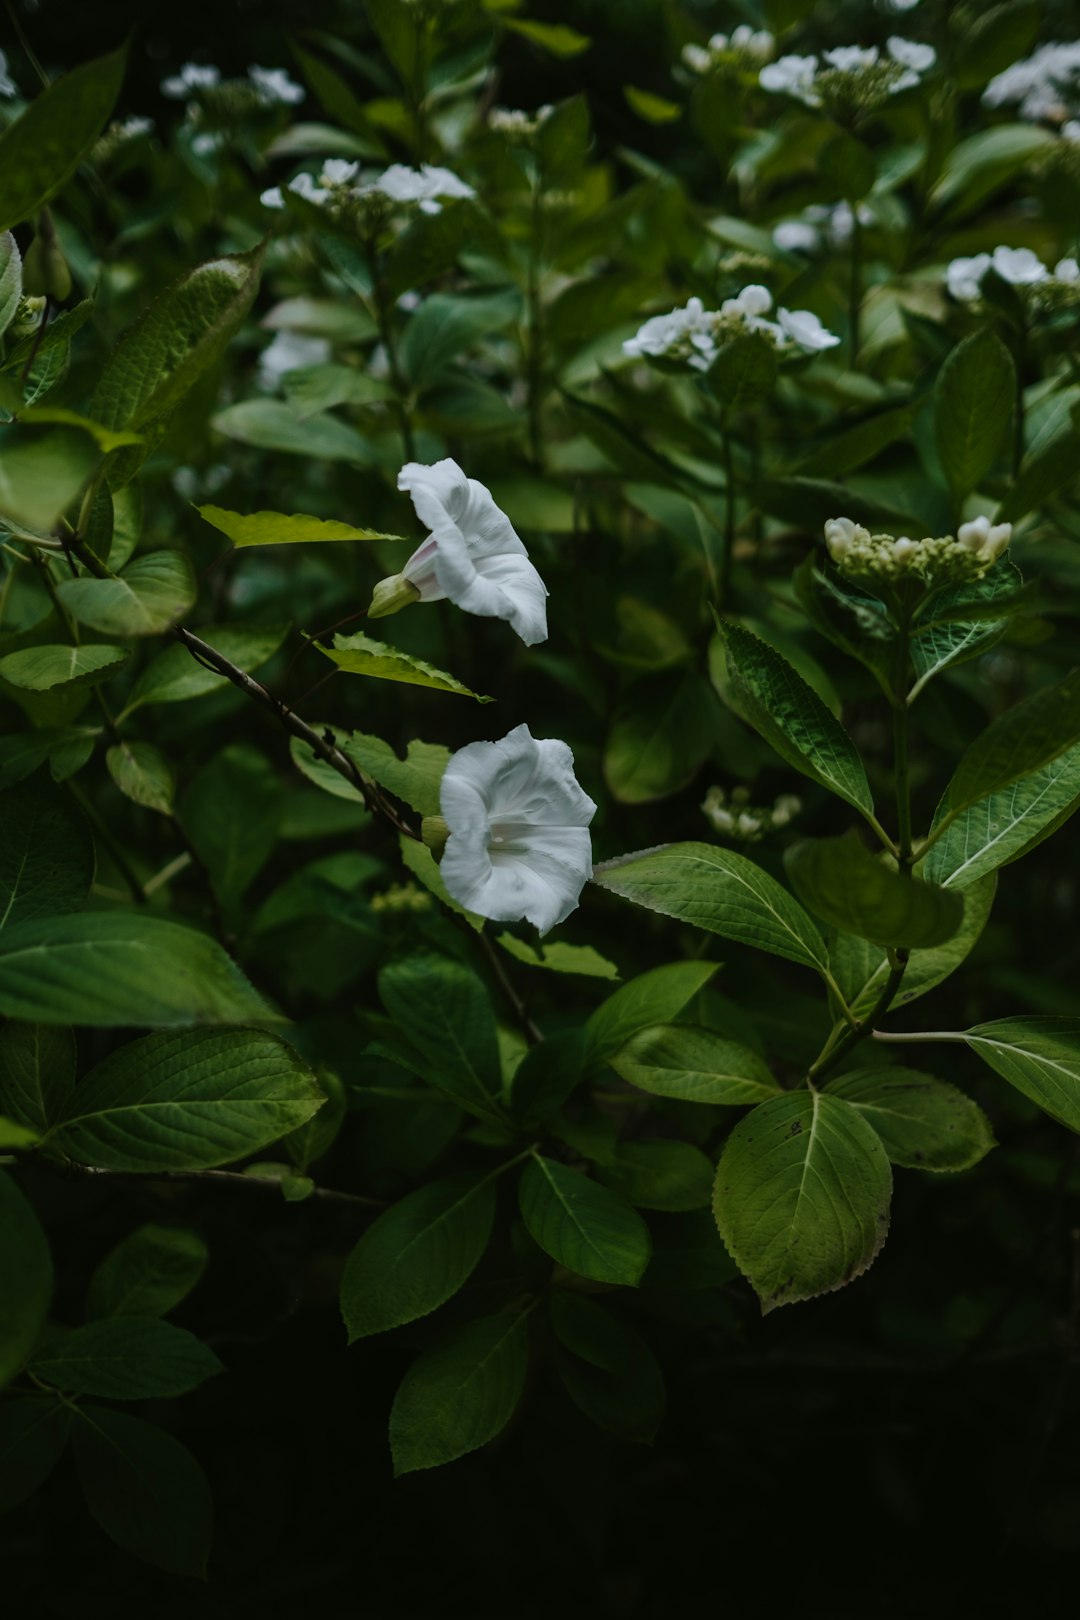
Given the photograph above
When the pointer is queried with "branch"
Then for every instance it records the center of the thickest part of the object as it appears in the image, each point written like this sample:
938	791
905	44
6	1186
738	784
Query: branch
328	1194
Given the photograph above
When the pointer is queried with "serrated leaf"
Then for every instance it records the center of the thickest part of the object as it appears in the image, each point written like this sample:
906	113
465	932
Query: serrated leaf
153	591
41	150
445	325
583	1226
445	1012
148	1273
722	892
143	774
923	1123
126	1358
787	712
46	854
802	1197
26	1279
999	829
277	529
1039	1056
415	779
1019	742
853	890
459	1395
144	1489
695	1065
417	1255
360	655
973	405
42	668
117	969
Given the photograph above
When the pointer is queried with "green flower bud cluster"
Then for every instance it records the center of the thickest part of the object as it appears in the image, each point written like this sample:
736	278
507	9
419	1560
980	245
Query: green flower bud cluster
734	816
968	554
401	899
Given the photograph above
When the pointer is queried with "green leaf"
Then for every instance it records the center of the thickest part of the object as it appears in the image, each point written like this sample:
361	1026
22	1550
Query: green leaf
181	334
923	1123
42	668
270	424
187	1100
585	1227
1017	743
149	596
415	779
546	1076
26	1279
802	1197
444	1011
37	1072
788	713
360	655
459	1395
105	438
744	372
840	880
312	389
960	624
982	162
14	1135
445	325
276	529
118	969
324	776
126	1358
655	997
999	829
659	743
559	958
232	815
144	1489
973	405
554	37
66	747
307	1144
851	619
1042	473
46	854
694	1064
42	149
608	1369
670	1176
417	1255
418	859
654	109
1039	1056
148	1273
143	774
174	676
10	279
33	1434
41	472
719	891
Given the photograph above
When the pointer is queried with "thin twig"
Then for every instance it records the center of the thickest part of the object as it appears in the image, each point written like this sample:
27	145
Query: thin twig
231	1177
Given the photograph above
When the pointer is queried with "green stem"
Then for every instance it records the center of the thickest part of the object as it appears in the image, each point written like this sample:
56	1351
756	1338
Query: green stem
727	558
837	1047
386	332
920	1035
855	285
901	764
1018	411
533	356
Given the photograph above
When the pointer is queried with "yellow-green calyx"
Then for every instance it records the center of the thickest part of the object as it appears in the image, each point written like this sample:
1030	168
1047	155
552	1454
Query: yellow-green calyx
391	595
434	832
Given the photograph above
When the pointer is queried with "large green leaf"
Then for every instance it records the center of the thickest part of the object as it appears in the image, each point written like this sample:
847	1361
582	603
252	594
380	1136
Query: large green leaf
608	1369
778	703
187	1099
446	324
182	333
122	969
277	529
1022	740
1039	1056
460	1394
10	279
717	890
143	775
977	165
144	1489
973	404
33	1433
996	830
923	1123
46	854
148	1273
694	1064
150	595
25	1279
43	148
232	814
42	469
661	740
585	1227
444	1011
270	424
959	623
174	676
655	997
126	1358
840	880
360	655
802	1196
417	1254
37	1072
414	779
43	668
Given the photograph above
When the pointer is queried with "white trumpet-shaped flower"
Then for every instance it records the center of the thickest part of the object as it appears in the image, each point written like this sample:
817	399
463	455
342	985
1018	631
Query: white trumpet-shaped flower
518	823
472	555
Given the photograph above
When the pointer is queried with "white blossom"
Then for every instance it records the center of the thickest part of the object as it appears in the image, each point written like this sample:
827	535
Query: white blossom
1018	266
697	57
8	87
424	185
192	76
852	58
968	554
207	142
1067	270
793	76
304	186
338	172
803	327
1070	131
912	55
796	236
133	127
964	276
289	351
518	821
472	555
681	334
1043	84
274	84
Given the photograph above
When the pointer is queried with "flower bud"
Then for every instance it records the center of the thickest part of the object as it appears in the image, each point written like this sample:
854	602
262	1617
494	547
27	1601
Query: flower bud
839	535
904	549
998	539
391	595
973	536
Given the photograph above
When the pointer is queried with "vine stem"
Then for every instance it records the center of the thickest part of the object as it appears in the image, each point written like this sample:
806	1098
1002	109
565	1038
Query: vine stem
209	1177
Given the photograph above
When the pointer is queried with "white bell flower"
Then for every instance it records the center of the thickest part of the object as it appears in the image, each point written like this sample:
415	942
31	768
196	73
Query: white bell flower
471	557
518	823
803	327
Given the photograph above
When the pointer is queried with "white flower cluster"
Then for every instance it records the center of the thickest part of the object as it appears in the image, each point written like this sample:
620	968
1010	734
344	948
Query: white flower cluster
820	226
8	87
1046	84
850	74
400	184
968	554
695	335
734	815
1021	268
744	47
517	124
271	85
